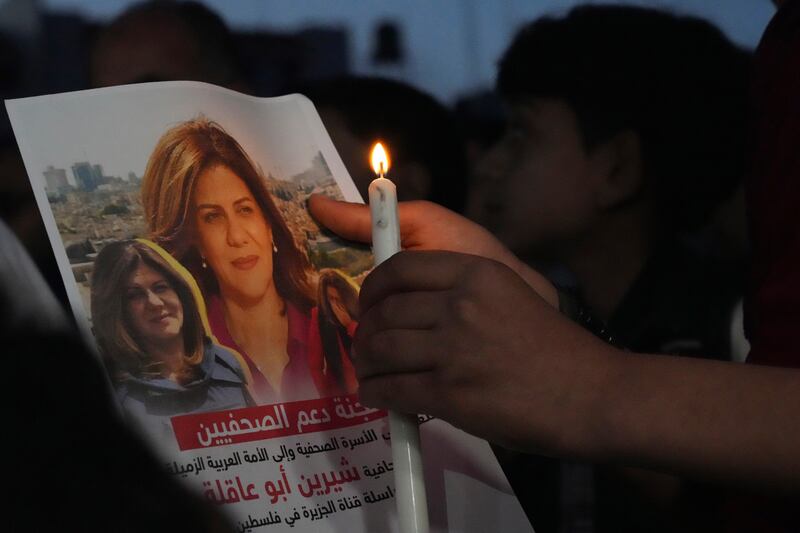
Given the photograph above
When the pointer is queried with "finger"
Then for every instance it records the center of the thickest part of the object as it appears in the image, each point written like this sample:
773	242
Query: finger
353	220
394	351
412	272
403	393
410	310
348	220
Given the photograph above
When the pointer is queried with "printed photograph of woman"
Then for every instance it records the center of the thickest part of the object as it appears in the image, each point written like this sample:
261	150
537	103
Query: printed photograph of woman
330	346
150	331
207	203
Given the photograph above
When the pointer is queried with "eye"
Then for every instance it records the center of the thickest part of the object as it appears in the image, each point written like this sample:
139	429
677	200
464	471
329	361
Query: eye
134	294
161	287
246	209
209	217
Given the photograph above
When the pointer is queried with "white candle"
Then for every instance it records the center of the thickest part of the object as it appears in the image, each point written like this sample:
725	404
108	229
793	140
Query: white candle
385	225
412	505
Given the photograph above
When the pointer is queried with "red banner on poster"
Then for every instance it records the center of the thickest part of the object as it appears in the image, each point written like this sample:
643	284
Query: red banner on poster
270	421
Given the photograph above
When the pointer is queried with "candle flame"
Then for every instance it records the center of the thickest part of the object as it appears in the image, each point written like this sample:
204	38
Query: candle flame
379	159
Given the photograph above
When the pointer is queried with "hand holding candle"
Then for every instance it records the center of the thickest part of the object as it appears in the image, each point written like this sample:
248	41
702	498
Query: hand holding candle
412	505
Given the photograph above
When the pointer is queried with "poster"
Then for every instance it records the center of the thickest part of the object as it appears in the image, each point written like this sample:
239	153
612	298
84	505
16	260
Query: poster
223	314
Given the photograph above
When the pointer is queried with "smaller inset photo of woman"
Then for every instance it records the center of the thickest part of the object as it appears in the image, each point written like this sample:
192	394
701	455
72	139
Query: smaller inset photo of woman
149	325
330	347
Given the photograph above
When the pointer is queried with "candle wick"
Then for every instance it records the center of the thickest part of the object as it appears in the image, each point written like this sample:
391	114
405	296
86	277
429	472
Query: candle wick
382	172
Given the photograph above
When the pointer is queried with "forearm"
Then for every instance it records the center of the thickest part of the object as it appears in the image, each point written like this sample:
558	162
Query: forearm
539	283
494	359
698	418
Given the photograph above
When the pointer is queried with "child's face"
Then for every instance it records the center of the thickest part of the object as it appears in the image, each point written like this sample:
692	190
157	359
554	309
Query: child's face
534	186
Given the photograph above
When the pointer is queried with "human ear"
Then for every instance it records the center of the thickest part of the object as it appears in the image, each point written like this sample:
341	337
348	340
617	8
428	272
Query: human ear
618	170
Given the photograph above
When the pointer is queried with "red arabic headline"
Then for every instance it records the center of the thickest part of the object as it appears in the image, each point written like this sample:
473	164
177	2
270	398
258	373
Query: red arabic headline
221	428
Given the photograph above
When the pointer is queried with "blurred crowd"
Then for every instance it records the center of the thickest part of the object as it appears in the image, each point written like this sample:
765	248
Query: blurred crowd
610	156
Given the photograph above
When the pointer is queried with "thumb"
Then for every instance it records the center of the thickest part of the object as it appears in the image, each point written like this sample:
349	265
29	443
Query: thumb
348	220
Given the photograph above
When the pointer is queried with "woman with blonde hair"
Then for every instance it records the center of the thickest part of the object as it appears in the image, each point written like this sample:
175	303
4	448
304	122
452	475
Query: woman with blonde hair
150	332
208	205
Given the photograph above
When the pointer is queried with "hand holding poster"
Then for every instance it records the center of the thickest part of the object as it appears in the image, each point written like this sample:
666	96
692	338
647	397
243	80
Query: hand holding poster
223	314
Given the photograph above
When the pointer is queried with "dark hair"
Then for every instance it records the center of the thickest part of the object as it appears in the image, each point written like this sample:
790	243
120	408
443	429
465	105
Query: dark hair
217	52
414	125
675	81
331	331
181	155
124	353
